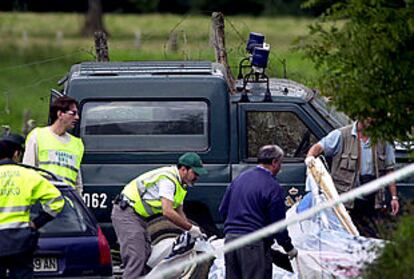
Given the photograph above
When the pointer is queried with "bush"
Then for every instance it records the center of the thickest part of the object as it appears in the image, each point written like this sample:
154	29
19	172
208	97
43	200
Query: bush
397	258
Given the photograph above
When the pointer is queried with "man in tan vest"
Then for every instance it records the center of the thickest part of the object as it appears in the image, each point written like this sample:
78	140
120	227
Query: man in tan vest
355	161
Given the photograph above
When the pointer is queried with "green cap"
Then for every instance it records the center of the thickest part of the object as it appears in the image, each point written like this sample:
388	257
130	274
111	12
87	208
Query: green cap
192	160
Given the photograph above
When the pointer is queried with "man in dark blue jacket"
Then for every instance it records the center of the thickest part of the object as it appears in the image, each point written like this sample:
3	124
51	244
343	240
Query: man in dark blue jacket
252	201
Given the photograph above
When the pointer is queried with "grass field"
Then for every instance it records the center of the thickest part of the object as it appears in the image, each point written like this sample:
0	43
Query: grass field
38	49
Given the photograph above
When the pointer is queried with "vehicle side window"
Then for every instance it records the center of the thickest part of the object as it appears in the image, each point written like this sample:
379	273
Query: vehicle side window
72	219
145	125
283	128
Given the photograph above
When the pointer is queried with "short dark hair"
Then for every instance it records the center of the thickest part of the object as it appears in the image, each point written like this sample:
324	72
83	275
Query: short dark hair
61	104
6	149
268	153
16	141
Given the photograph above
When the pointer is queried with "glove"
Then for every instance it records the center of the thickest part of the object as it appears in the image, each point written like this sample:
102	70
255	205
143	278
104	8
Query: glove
195	231
292	254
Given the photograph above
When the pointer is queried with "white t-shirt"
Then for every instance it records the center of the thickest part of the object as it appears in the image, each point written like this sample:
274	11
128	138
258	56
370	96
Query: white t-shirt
166	189
163	188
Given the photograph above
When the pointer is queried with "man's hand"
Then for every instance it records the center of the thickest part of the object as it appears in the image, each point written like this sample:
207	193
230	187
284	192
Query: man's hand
195	231
292	253
395	206
32	225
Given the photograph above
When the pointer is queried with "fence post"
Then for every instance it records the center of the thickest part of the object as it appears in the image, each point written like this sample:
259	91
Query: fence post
101	47
28	123
59	37
137	39
220	48
25	38
173	42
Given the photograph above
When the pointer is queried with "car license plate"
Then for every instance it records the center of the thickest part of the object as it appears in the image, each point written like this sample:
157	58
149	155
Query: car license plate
45	264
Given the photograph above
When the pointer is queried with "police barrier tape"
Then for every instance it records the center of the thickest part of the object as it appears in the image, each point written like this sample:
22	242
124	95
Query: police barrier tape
275	227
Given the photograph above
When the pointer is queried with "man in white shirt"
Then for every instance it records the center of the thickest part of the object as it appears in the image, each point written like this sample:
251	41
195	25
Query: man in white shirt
52	148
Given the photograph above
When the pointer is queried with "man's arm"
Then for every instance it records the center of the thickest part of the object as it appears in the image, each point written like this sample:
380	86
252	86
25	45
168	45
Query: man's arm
180	211
173	215
390	164
315	150
224	205
49	196
395	204
277	212
177	216
30	156
330	145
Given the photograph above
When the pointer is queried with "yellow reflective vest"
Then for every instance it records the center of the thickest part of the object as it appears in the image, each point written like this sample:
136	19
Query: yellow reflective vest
20	188
148	205
59	158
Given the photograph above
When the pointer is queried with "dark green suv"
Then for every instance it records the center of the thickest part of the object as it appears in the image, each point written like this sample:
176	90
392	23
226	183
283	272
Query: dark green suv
137	116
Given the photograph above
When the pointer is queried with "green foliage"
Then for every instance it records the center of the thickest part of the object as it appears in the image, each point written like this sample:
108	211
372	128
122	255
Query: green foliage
396	260
365	52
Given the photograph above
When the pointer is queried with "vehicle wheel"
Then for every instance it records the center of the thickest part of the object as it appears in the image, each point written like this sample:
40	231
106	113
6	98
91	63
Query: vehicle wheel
160	228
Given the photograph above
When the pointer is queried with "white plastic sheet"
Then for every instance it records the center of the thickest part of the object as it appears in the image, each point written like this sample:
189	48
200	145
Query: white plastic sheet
326	250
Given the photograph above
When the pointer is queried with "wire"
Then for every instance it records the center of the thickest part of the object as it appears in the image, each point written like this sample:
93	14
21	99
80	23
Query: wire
235	30
37	83
171	32
39	62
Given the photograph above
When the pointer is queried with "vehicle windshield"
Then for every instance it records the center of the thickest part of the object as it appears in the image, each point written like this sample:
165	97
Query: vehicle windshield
73	219
336	118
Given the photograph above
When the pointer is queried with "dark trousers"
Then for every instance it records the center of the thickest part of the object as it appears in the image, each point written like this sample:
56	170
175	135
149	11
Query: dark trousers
364	215
249	262
20	266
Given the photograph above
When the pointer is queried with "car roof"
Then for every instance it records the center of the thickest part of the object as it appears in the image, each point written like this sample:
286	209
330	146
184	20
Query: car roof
141	68
52	178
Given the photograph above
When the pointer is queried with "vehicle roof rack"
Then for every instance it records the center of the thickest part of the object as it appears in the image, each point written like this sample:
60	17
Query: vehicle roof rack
145	68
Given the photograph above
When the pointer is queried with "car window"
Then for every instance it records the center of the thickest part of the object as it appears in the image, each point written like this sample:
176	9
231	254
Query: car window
73	219
145	125
283	128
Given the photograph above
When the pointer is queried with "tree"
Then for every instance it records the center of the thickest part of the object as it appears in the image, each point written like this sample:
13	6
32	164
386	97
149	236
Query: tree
94	18
364	51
